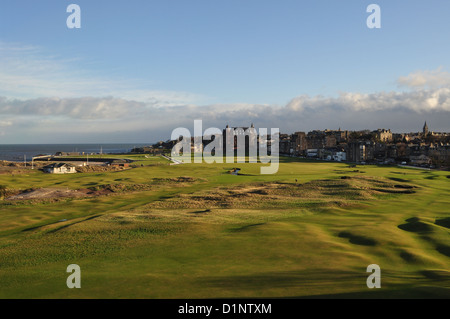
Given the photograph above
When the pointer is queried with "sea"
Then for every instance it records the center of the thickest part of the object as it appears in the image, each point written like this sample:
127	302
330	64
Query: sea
22	152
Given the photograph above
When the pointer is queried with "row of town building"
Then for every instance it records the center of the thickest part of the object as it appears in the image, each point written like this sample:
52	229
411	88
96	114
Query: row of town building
381	146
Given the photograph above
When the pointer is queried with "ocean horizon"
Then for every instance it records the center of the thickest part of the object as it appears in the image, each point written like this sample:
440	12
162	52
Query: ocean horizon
22	152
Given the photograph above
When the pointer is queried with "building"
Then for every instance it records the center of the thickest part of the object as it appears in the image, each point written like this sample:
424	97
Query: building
341	136
315	140
312	152
119	163
240	139
330	141
60	168
285	144
299	143
384	135
360	152
340	156
420	160
425	129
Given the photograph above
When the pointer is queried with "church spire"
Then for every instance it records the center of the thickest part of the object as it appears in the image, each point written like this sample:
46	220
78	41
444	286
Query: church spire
425	128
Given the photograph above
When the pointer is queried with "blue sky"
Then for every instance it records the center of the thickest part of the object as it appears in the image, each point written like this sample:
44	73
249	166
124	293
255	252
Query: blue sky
197	54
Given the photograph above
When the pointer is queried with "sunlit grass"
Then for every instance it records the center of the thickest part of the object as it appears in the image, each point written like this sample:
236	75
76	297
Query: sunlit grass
311	229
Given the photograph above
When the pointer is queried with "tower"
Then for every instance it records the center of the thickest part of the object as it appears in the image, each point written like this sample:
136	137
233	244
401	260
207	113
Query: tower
425	129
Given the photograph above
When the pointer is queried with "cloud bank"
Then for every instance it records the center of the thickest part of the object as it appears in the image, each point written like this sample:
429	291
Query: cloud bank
93	119
43	99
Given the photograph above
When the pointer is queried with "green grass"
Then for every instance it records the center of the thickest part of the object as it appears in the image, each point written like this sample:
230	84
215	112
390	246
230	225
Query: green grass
231	236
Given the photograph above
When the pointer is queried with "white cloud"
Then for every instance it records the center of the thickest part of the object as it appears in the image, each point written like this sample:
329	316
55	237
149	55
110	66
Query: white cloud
416	101
87	108
426	79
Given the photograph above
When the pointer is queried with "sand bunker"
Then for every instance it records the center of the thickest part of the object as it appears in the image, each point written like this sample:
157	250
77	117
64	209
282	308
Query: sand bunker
44	193
49	193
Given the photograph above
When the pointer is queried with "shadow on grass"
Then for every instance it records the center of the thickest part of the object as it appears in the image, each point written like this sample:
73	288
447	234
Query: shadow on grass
414	225
427	285
288	279
445	222
410	257
443	249
246	227
201	212
401	180
405	292
358	240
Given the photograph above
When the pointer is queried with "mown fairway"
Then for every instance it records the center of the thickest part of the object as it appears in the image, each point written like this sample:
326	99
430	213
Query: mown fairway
218	235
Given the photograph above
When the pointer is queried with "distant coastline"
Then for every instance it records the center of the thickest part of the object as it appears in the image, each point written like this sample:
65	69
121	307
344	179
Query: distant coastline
18	152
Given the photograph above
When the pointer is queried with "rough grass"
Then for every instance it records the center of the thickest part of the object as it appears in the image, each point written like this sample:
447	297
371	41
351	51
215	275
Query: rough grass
317	193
